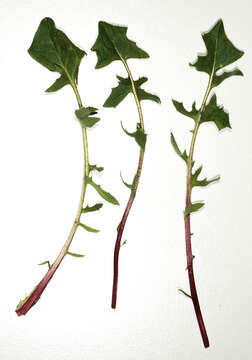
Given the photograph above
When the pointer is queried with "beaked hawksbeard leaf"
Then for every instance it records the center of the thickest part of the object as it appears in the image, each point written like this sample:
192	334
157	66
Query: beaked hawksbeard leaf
104	194
193	207
203	182
95	168
84	115
54	50
215	113
183	155
112	44
220	53
124	87
74	254
88	228
93	208
180	108
139	135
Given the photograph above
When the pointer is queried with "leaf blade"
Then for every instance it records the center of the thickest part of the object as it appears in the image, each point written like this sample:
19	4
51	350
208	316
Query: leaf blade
104	194
55	51
112	44
88	228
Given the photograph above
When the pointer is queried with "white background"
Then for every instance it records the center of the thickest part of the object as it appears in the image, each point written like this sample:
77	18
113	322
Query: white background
41	171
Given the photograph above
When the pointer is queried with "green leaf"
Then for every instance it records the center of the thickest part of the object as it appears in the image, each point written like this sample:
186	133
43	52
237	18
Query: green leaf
46	262
104	194
83	115
139	135
215	113
95	207
123	243
183	155
131	186
180	108
203	182
53	49
193	207
126	184
74	254
124	88
112	44
88	228
94	167
217	79
220	53
184	293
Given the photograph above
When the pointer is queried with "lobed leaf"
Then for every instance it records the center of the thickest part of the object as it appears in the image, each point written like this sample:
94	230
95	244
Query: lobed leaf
104	194
95	207
88	228
183	155
180	108
124	88
139	135
203	182
220	53
217	79
84	115
54	50
95	167
215	113
112	44
193	208
74	254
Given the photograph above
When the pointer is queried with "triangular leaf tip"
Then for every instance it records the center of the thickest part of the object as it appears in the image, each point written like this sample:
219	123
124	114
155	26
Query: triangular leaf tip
112	44
55	51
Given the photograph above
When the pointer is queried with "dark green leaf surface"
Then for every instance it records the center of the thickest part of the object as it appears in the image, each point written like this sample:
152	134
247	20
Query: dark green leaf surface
220	53
94	167
203	182
74	254
124	88
88	228
217	79
112	44
54	50
104	194
215	113
139	135
192	208
183	155
84	115
93	208
180	108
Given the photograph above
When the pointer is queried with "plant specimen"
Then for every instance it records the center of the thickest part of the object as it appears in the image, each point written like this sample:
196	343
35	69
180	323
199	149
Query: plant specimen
53	49
112	44
220	53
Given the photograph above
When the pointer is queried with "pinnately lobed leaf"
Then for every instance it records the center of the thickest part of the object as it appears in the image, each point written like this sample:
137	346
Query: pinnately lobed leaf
54	50
180	108
104	194
84	115
139	135
93	208
124	88
193	207
220	53
112	44
215	113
